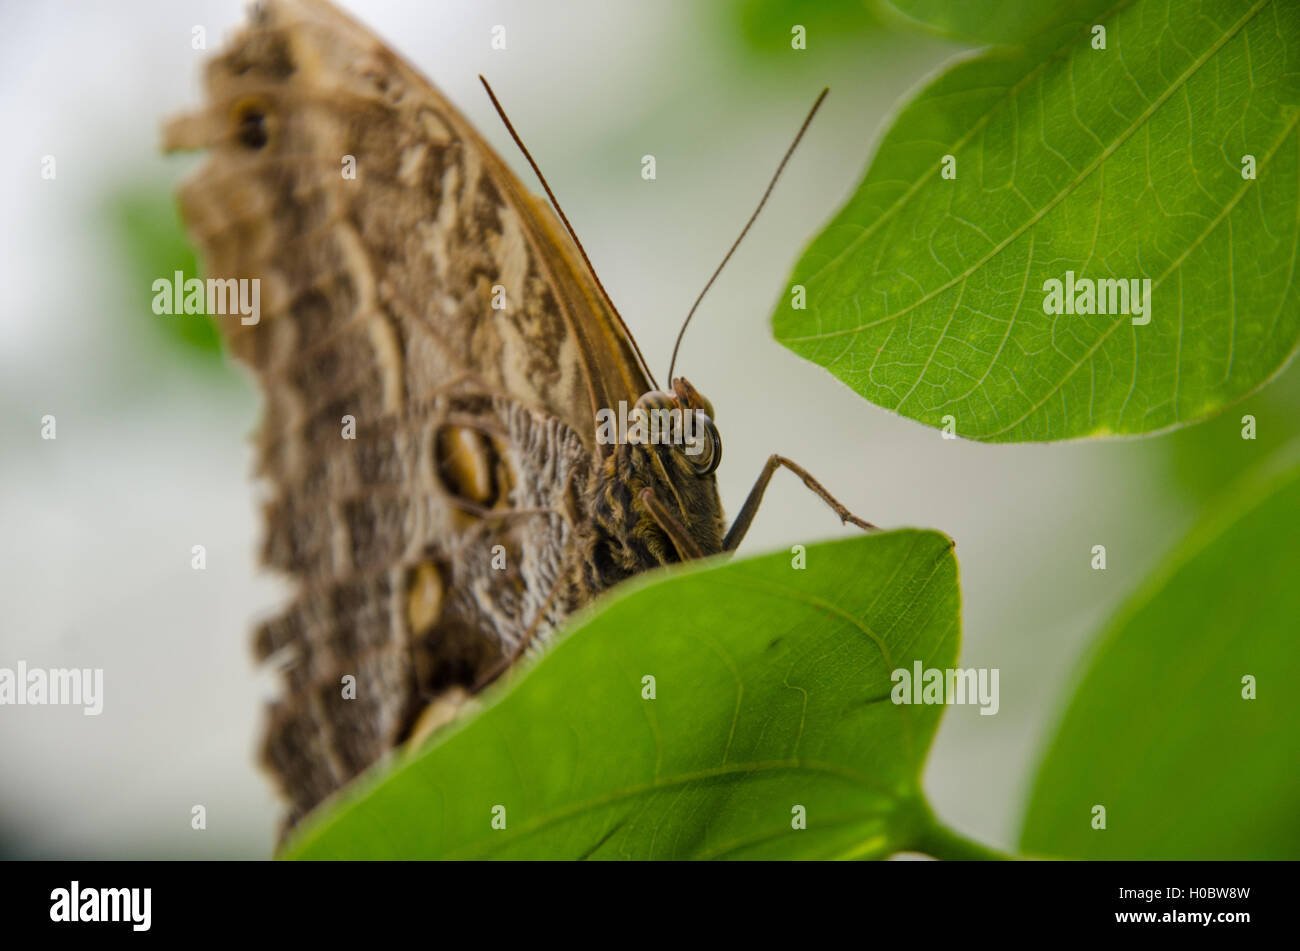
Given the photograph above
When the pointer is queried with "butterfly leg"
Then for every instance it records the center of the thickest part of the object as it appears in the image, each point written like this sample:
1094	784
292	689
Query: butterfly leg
741	525
671	525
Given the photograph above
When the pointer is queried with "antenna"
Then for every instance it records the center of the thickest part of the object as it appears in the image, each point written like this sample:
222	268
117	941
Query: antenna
572	234
763	201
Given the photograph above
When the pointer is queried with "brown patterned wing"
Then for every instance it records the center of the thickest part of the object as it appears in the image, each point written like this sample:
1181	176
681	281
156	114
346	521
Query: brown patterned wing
439	533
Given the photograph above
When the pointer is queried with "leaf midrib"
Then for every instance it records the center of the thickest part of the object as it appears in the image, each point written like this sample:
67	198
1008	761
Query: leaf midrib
1056	200
729	771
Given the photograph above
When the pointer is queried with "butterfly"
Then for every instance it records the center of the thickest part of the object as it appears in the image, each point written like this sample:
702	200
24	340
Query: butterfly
434	350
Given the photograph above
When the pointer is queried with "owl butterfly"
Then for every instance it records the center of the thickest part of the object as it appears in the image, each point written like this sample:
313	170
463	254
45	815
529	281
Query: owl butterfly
439	494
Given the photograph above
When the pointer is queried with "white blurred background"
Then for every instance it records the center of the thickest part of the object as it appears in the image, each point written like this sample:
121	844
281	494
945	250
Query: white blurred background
153	456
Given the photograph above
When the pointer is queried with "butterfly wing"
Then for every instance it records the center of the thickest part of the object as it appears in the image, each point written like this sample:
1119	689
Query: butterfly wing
431	352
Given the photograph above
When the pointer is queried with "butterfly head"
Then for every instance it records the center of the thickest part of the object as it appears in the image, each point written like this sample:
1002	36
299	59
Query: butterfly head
658	499
682	423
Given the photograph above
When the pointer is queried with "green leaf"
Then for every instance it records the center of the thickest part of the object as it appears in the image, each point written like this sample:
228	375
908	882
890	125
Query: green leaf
926	295
1159	732
772	690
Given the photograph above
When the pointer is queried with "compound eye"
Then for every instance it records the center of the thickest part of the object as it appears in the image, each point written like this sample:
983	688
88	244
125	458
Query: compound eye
709	456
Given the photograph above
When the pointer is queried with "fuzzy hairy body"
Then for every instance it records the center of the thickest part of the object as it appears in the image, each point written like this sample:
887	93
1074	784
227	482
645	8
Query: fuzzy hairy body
628	539
471	509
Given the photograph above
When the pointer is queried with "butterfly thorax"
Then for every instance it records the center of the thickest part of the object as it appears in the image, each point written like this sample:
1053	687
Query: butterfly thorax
672	449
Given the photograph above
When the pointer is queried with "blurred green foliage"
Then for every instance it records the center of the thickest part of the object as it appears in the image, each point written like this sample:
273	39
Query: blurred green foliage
764	26
147	229
1188	759
1203	460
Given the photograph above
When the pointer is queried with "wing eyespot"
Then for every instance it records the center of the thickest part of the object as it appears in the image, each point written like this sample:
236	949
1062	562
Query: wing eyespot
252	124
